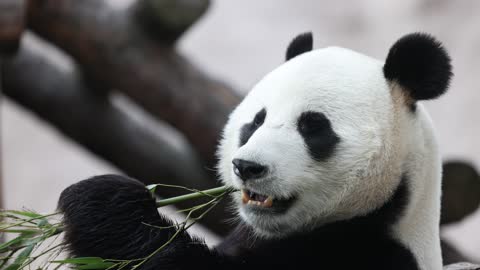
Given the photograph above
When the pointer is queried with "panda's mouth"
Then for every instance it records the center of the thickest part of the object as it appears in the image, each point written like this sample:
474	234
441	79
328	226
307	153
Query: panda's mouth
253	199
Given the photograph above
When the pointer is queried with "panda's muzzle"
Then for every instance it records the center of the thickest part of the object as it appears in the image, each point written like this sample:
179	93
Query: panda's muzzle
249	171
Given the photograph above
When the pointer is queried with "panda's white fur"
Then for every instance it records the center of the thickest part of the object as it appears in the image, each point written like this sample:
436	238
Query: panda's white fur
381	139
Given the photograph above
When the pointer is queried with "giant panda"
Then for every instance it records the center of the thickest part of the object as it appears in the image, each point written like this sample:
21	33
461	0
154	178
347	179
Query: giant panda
336	164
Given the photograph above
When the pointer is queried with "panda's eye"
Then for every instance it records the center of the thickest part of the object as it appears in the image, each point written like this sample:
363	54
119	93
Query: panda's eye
318	134
249	128
259	118
312	122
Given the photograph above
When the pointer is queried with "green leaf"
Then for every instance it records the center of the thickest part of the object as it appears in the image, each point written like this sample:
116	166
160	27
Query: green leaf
12	242
22	231
80	260
43	223
25	238
87	263
92	266
33	241
25	213
21	258
13	266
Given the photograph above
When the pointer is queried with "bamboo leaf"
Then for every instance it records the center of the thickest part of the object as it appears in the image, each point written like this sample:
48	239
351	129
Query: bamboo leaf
29	220
43	223
17	241
87	263
93	266
80	260
10	243
22	231
33	241
21	258
25	213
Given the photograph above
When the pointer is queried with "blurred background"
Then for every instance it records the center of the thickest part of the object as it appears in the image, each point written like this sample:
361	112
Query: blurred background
144	88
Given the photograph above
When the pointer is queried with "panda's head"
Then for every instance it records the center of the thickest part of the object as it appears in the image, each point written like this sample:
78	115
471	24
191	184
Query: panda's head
325	136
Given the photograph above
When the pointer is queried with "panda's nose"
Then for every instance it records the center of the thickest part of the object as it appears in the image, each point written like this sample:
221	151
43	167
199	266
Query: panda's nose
248	170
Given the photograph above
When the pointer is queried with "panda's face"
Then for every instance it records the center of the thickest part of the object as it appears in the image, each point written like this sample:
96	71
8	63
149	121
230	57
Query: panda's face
300	144
321	138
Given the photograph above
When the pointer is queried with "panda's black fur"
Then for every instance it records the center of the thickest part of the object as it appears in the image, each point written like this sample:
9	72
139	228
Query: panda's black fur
249	128
318	134
300	44
115	217
420	64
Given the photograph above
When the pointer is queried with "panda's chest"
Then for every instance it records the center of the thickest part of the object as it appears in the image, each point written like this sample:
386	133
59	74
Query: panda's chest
331	248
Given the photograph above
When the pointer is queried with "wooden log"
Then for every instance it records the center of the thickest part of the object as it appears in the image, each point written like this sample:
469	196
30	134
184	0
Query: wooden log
168	19
112	48
451	254
462	266
61	97
12	24
461	191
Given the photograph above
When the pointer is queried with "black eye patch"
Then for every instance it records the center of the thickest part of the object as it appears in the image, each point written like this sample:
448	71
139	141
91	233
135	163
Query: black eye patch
318	134
248	129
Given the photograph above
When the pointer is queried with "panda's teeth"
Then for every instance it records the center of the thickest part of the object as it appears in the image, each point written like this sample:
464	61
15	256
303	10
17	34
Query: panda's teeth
251	198
268	202
245	197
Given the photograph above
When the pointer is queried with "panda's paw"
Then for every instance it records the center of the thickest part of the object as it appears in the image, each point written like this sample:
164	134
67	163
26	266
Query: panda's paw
106	213
105	194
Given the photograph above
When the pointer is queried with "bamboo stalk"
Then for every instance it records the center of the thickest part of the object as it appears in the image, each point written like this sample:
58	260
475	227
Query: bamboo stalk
209	192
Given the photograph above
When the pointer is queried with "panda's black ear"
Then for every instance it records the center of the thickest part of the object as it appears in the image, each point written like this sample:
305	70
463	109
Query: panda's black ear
300	44
420	64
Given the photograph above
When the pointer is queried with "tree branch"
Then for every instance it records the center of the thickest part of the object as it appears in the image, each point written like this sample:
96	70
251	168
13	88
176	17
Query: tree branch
462	266
451	254
12	24
61	97
111	46
168	19
460	189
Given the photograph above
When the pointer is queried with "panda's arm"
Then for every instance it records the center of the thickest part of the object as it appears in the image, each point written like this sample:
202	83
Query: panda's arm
107	216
